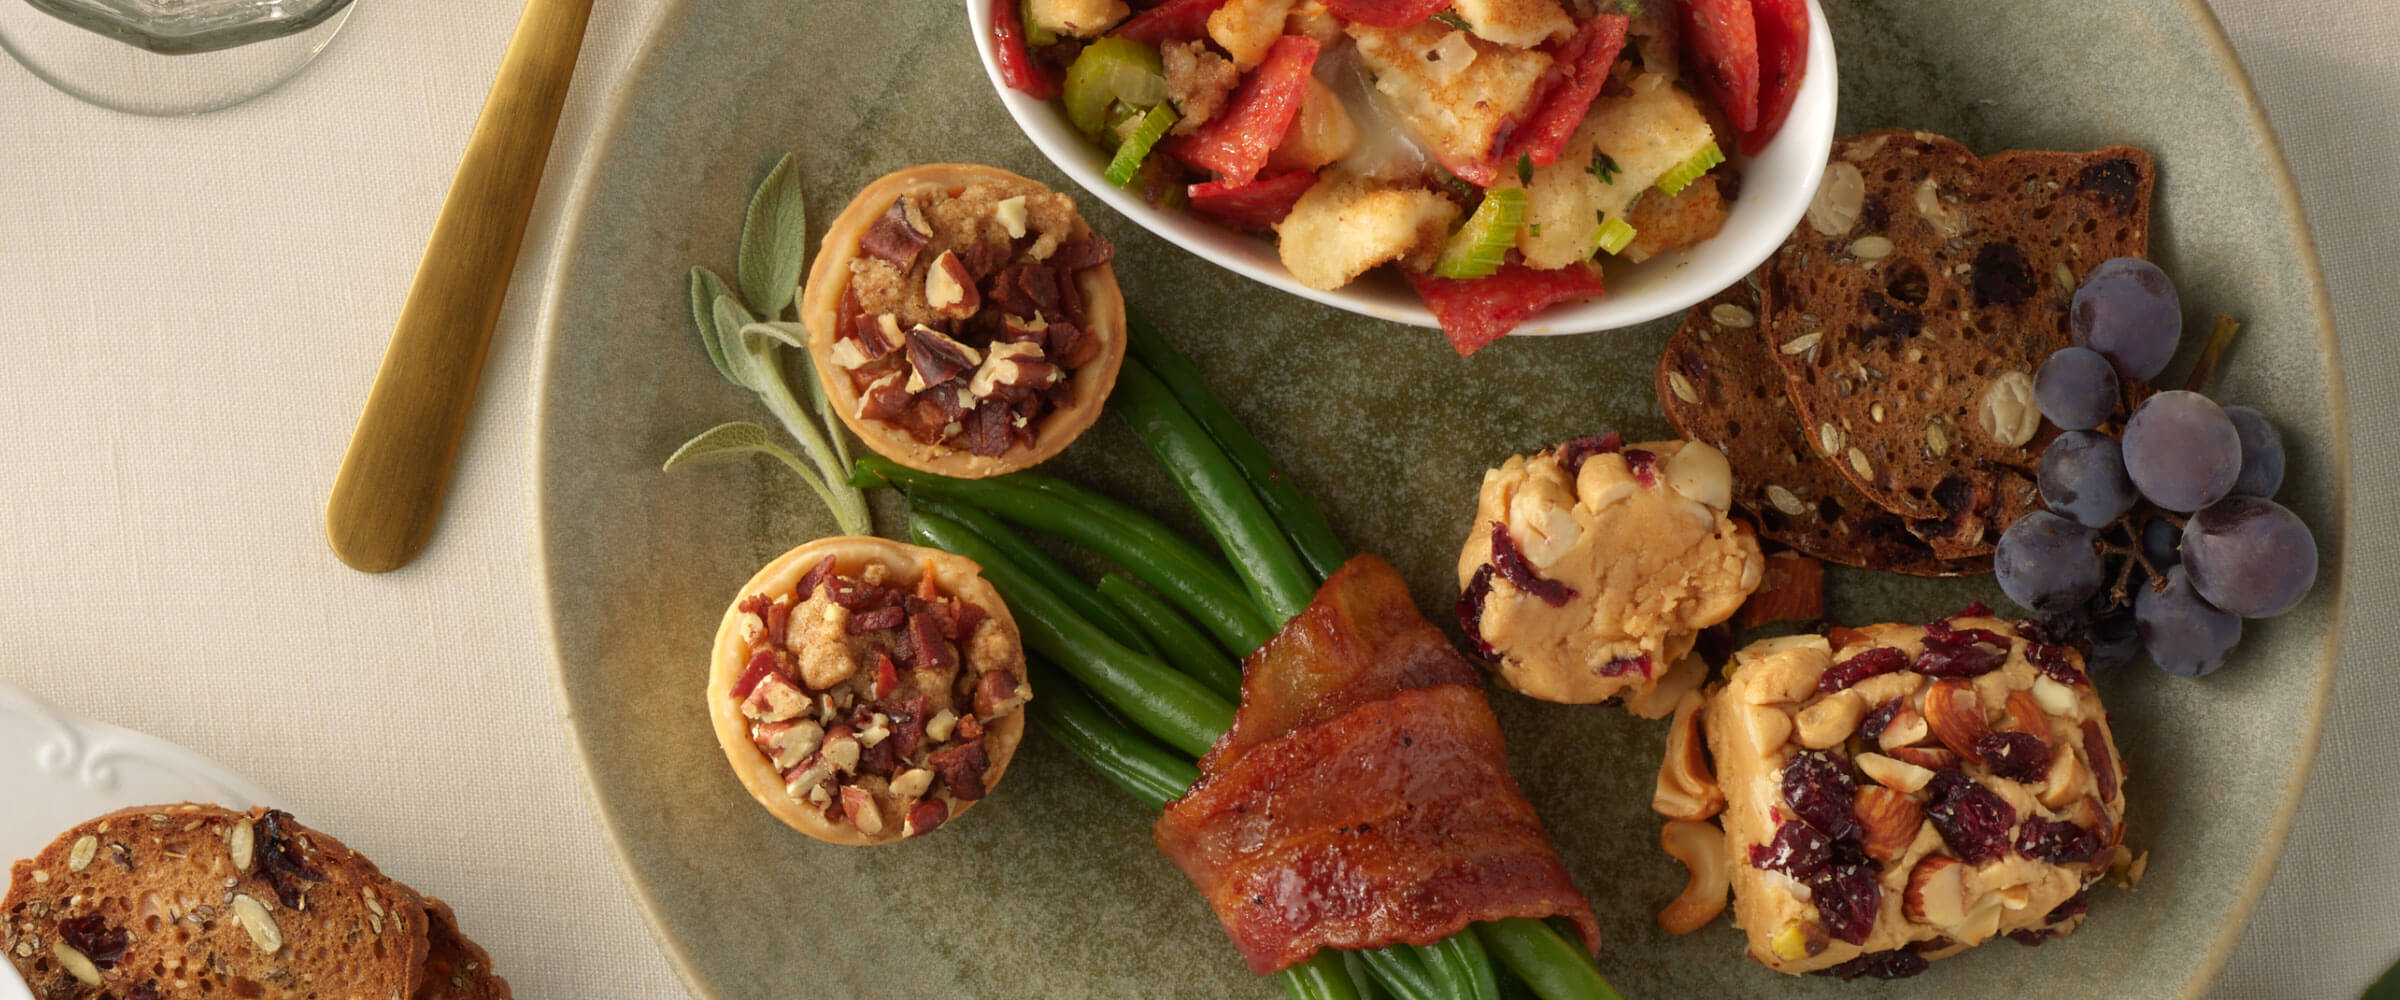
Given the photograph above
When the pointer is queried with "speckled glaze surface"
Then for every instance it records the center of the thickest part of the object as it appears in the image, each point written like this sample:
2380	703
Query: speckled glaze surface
1053	889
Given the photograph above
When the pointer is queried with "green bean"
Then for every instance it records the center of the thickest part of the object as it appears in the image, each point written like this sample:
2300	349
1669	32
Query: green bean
1545	960
1447	977
1184	645
1175	708
1298	514
1033	560
1219	604
1320	978
1129	760
1250	538
1364	978
1401	974
1467	954
1127	516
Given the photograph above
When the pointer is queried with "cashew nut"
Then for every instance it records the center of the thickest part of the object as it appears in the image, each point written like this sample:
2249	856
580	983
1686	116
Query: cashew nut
1701	848
1686	790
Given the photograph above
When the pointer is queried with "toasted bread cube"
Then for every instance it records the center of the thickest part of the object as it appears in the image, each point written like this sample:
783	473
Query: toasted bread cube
1245	29
1310	19
1451	90
1346	225
1644	134
1076	18
1522	23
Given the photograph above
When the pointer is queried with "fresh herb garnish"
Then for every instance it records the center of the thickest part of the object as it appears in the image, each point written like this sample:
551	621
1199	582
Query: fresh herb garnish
1525	169
1632	8
743	345
1452	19
1604	167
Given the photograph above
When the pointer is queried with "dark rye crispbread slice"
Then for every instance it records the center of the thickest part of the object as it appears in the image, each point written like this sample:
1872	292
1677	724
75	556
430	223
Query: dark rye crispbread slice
1717	384
184	900
1919	340
456	968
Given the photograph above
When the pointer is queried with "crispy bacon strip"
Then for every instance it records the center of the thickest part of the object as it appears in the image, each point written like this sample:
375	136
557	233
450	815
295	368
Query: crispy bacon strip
1362	797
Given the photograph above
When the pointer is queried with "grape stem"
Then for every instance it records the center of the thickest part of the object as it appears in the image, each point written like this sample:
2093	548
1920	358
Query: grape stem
2218	340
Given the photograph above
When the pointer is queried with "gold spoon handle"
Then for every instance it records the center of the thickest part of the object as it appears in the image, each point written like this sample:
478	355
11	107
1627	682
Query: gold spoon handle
390	488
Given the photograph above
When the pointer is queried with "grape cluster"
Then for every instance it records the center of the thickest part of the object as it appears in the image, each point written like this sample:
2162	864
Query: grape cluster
2162	537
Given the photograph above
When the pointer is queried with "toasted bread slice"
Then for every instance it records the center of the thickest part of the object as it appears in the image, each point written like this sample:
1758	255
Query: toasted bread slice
193	900
457	968
1911	319
1717	384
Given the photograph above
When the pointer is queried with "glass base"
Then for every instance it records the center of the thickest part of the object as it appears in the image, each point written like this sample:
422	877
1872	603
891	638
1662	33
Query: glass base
113	74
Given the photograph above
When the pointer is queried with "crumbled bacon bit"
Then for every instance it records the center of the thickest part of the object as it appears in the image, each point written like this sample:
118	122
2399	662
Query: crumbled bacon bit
855	594
960	619
762	663
757	604
931	651
878	619
887	675
894	239
1573	453
1511	564
993	692
907	725
961	768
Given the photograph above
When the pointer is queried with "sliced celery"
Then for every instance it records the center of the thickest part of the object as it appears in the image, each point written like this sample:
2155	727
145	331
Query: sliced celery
1615	236
1480	246
1127	164
1109	70
1035	35
1683	174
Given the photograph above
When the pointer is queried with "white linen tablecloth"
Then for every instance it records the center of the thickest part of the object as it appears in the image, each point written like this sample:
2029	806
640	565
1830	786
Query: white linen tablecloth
190	314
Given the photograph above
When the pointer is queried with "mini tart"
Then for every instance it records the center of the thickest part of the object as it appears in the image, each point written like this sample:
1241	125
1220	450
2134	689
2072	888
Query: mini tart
835	687
885	305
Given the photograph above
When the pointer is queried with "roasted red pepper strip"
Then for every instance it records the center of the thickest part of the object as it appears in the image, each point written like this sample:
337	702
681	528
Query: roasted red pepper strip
1476	311
1782	63
1236	143
1386	13
1580	68
1256	206
1017	68
1721	38
1172	21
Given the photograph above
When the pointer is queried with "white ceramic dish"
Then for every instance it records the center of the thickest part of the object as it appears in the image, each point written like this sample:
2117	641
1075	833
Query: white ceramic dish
1776	187
57	770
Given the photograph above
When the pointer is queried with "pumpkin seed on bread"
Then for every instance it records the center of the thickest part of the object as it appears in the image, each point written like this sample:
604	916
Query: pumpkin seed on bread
188	899
1911	308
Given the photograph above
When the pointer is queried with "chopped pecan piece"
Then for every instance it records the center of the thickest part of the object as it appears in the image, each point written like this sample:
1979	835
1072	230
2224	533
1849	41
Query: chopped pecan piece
961	768
899	235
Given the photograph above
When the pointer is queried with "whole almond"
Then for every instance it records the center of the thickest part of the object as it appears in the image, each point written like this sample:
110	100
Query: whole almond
1890	819
1929	758
1937	891
1955	715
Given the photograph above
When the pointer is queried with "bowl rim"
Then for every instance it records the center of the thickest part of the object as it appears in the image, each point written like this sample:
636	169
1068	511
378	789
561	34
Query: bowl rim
1663	286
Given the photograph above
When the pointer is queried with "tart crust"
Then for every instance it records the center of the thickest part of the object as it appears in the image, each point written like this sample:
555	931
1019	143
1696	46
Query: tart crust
729	657
821	297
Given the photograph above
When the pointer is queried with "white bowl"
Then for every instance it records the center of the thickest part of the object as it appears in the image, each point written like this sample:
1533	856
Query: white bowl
1776	187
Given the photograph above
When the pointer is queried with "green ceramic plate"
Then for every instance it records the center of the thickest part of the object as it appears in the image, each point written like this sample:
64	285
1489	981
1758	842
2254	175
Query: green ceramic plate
1053	889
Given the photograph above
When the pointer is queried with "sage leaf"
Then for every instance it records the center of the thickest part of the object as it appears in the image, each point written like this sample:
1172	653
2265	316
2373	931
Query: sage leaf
774	241
731	319
707	288
787	334
739	439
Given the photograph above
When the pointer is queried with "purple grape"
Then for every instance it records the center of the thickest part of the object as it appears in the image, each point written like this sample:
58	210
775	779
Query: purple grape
2186	636
2076	388
2182	451
2127	310
2250	556
2083	476
2047	563
2262	453
2116	640
2162	543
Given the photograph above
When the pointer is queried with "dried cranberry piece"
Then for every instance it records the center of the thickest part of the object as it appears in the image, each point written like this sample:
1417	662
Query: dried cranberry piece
1619	667
762	663
988	429
2104	768
1512	566
1961	652
1972	819
878	619
1643	465
2029	937
1877	721
1942	630
1879	660
278	862
2057	842
961	769
2052	661
2017	756
1572	454
91	935
2073	906
1818	787
893	239
1974	609
1898	963
1847	896
1470	609
1084	253
1797	850
2000	276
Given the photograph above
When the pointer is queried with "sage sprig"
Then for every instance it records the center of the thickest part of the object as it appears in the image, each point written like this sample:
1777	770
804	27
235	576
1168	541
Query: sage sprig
744	331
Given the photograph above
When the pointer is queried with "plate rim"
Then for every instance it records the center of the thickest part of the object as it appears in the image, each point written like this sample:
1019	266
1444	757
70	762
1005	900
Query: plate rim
615	118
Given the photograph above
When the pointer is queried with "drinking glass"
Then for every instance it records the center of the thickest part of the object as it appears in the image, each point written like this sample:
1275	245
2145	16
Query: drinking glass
168	57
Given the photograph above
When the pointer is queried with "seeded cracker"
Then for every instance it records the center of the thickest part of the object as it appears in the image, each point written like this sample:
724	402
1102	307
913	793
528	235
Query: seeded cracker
457	968
1934	283
193	900
1718	384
